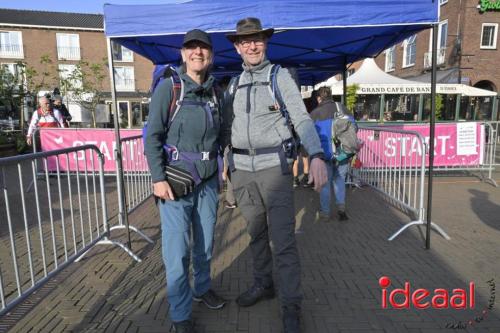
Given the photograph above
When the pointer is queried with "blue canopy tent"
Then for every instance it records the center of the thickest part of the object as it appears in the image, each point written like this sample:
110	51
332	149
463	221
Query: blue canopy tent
316	37
319	38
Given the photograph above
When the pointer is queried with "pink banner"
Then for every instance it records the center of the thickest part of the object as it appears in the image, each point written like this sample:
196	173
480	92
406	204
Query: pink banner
456	144
104	139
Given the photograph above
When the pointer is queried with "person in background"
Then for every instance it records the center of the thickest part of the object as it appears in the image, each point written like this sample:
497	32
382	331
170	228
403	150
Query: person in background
58	104
44	116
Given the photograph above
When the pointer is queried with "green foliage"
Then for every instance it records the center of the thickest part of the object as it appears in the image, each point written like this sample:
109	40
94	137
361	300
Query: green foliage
86	84
439	106
351	97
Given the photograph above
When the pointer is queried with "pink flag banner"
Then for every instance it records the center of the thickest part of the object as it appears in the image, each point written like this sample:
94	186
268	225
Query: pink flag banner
104	139
456	144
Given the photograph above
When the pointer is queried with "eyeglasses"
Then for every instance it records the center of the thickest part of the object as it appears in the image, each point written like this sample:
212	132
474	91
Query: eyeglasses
247	42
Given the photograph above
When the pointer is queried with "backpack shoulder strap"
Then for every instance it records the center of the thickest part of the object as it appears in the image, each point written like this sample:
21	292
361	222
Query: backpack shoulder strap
231	89
177	95
275	89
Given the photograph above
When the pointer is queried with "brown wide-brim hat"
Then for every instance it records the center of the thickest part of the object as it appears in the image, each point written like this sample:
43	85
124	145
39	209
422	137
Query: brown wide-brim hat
249	26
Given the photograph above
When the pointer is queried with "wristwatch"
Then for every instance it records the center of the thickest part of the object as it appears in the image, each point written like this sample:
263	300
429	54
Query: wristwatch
320	155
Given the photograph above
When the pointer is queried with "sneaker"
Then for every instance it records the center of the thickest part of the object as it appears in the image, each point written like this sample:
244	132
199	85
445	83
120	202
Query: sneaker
211	300
255	294
342	215
296	182
323	217
229	205
185	326
291	319
305	181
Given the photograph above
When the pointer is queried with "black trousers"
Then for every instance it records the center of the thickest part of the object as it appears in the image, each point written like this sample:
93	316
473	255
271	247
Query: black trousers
265	199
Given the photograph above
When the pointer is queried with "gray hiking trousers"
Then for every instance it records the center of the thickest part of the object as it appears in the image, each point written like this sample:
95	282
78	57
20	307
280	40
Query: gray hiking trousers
265	199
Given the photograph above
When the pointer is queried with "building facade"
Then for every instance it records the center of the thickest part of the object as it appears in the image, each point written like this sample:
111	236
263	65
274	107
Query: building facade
53	43
468	53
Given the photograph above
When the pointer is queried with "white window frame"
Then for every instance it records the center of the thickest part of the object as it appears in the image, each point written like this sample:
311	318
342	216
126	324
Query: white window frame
68	68
405	51
495	36
13	54
124	86
123	50
390	59
68	52
440	28
442	2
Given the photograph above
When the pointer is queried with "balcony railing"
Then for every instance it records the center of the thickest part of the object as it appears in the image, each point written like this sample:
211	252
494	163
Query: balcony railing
441	57
11	51
125	85
68	53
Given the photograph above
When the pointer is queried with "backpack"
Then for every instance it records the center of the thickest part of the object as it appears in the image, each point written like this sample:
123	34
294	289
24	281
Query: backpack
163	72
345	142
274	90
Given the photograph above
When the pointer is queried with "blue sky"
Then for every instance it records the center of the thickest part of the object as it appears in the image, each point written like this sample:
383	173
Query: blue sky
73	6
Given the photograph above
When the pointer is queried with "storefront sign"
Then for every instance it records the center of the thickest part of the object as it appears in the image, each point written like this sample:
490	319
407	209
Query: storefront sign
407	89
488	5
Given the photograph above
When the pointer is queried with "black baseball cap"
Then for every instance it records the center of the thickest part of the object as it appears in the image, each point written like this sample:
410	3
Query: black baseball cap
198	35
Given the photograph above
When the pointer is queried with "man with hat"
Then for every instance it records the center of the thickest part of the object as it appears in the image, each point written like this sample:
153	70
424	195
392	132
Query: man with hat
193	132
260	165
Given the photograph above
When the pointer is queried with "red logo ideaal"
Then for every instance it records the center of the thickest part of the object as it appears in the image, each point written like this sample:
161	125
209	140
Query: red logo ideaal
422	298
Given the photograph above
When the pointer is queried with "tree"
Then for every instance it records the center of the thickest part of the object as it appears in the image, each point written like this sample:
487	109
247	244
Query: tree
85	85
351	97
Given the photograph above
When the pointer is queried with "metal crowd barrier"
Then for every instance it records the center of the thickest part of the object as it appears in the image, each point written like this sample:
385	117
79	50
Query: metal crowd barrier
43	231
396	173
138	184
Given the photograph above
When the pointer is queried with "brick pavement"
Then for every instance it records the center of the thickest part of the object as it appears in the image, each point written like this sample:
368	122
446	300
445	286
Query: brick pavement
341	264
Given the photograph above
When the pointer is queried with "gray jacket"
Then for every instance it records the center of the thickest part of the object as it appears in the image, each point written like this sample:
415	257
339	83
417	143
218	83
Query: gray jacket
249	123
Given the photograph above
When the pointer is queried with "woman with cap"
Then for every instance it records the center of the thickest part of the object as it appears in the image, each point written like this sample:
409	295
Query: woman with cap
193	131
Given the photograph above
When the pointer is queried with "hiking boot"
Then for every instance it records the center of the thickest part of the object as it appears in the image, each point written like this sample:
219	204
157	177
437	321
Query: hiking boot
185	326
291	319
296	182
305	181
255	294
211	300
342	215
229	205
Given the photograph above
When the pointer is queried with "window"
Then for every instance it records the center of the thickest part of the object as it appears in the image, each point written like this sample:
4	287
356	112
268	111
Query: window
12	73
11	44
442	2
442	36
68	46
124	78
67	72
409	51
121	53
489	36
350	71
390	59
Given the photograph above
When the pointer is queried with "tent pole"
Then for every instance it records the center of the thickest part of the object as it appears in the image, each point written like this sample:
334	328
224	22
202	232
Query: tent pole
432	126
344	82
122	214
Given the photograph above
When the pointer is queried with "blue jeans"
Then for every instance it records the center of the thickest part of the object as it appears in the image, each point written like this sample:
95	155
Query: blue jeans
336	178
198	212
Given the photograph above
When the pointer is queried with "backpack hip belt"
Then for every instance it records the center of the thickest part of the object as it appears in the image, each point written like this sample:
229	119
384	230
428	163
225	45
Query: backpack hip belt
173	155
286	150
